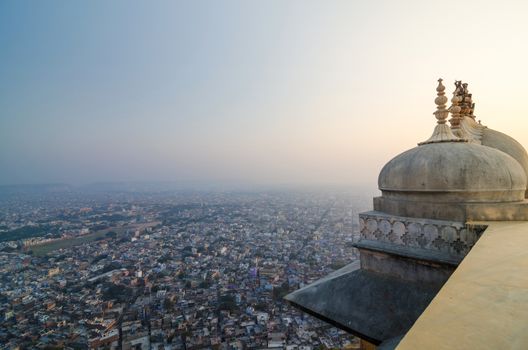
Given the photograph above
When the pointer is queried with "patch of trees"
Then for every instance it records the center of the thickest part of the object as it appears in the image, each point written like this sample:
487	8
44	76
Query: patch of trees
168	304
205	284
261	306
111	234
3	299
28	232
99	258
120	293
110	267
227	302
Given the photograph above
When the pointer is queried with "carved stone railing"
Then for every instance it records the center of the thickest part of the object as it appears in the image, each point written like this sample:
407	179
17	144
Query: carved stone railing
453	238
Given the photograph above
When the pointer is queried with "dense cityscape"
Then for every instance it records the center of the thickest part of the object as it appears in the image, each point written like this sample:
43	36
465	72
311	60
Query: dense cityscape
169	270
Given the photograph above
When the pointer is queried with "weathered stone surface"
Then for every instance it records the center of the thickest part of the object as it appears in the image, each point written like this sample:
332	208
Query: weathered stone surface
410	264
462	212
506	144
449	237
370	305
453	172
390	344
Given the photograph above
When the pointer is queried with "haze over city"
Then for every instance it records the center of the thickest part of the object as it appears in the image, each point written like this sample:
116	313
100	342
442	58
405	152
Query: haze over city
236	92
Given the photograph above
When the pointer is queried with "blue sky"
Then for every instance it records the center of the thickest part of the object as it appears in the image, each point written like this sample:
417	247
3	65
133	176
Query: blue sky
270	92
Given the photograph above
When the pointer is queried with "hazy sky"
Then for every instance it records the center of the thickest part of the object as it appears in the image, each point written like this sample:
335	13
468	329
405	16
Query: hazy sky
268	92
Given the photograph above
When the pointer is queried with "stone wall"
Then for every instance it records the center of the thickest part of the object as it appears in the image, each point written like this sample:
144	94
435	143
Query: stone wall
453	238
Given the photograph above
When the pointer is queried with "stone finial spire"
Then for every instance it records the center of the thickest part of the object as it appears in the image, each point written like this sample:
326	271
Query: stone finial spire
466	101
442	132
468	106
455	108
463	122
441	100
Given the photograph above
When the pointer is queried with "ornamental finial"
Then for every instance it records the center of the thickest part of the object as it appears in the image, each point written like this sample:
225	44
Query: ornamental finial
442	132
466	101
441	100
463	122
455	108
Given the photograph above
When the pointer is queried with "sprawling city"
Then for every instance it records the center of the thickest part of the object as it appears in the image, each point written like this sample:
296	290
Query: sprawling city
251	175
169	270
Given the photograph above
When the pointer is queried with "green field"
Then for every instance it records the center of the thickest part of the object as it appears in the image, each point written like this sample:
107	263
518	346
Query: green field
45	248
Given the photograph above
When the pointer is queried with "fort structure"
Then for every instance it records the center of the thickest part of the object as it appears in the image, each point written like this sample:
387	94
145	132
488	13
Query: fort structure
421	281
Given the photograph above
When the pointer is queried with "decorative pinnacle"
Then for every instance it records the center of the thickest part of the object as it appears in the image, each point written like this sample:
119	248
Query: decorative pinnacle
463	121
466	101
455	108
442	132
440	100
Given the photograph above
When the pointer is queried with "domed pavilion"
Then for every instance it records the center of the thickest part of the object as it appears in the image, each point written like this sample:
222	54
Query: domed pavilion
435	202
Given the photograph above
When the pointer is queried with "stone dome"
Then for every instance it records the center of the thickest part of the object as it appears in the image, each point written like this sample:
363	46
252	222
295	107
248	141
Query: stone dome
453	172
506	144
463	172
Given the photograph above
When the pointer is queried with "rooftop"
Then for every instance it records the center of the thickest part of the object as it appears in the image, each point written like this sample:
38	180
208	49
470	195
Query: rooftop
484	304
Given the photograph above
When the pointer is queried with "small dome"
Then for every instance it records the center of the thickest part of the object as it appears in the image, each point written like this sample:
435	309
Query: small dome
506	144
453	172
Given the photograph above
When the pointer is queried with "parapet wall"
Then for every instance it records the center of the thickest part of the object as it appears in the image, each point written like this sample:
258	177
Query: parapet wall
451	238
